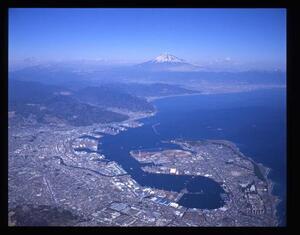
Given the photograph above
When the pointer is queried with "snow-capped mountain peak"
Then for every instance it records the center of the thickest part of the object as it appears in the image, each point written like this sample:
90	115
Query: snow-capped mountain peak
167	62
167	58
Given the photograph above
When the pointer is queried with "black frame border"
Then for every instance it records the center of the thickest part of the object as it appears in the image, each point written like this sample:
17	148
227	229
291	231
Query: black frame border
292	116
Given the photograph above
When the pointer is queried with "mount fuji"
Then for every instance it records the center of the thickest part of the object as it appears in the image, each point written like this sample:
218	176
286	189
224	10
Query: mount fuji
167	62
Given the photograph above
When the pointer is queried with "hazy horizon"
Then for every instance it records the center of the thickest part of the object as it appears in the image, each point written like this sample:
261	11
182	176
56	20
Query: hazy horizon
147	117
239	38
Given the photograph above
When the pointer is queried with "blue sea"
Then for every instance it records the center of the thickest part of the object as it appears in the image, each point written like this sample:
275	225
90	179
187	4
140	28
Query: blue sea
255	121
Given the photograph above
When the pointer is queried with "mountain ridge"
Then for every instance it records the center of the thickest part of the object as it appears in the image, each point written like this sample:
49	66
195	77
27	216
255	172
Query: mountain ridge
168	62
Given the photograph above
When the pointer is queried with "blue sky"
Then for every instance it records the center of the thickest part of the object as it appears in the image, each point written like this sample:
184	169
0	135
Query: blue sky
243	36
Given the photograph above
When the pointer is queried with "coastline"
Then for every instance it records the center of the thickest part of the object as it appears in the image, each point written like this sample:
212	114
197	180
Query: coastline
214	92
267	170
153	98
